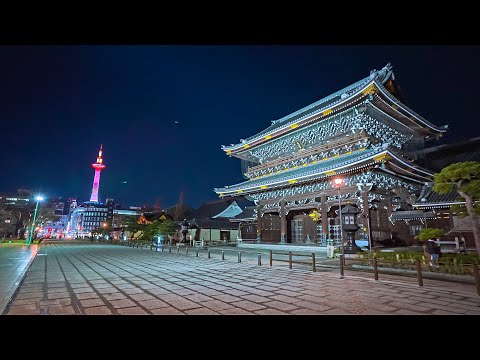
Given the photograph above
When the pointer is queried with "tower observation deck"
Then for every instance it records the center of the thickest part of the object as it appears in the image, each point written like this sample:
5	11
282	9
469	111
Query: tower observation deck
98	166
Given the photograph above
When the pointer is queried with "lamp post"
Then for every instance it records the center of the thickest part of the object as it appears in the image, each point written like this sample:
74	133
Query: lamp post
338	183
184	225
38	198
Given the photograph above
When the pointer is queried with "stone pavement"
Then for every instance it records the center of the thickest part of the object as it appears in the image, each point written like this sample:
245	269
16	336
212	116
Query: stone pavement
14	261
110	279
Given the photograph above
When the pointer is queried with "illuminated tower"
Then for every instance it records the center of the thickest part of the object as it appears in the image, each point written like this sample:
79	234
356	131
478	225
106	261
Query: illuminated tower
98	166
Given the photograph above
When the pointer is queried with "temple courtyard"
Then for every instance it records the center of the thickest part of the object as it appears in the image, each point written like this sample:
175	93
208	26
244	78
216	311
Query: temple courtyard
100	279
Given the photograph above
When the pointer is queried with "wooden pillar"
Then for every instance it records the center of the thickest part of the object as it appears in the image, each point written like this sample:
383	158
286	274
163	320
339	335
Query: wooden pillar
259	224
323	209
308	226
283	223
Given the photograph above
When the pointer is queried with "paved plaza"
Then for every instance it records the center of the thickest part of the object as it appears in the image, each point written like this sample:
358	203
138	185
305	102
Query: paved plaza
14	261
100	279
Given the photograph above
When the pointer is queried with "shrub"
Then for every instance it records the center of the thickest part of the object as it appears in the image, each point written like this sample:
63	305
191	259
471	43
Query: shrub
431	233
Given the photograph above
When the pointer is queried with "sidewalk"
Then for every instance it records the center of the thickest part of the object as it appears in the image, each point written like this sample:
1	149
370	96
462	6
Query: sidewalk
14	262
111	279
249	253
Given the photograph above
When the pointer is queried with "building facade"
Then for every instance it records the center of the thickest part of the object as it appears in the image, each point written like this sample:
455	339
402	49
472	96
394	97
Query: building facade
90	216
363	136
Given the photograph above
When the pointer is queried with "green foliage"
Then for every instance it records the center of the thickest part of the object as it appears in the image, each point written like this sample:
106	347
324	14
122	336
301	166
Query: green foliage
463	176
394	255
451	263
157	227
461	210
167	227
431	233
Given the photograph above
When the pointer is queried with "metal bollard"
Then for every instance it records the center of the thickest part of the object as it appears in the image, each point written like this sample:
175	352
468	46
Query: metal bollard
289	259
476	276
197	253
163	247
209	253
375	268
314	268
169	248
186	250
239	256
223	255
259	259
178	249
419	272
156	248
342	270
271	257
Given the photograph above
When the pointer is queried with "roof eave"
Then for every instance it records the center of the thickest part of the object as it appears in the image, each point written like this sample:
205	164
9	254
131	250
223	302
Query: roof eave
328	110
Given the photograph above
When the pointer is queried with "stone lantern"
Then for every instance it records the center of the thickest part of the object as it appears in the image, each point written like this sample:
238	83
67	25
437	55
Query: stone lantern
185	225
349	225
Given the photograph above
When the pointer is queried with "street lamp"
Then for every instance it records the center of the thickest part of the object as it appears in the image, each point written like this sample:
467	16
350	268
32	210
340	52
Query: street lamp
38	198
338	183
184	225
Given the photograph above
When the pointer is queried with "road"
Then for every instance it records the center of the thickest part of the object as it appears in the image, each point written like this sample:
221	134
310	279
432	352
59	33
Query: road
86	278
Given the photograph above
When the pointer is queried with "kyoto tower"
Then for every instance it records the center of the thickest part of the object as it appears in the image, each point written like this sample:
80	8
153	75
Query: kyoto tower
98	166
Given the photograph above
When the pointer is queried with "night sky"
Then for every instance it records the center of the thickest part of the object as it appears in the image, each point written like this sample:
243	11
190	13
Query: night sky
59	103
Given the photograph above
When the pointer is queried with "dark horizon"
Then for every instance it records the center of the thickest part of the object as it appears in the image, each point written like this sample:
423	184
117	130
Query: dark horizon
163	112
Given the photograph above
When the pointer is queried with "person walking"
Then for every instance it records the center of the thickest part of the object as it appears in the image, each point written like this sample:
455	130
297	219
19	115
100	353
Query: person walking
434	252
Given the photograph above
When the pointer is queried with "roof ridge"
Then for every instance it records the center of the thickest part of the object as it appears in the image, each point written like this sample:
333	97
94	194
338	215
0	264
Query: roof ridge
381	75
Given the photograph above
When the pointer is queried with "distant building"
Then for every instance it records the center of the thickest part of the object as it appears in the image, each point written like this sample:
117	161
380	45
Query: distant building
18	200
54	229
150	216
90	216
211	221
15	211
432	210
435	158
119	216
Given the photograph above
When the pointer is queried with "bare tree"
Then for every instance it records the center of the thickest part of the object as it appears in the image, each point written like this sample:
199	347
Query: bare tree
7	223
179	212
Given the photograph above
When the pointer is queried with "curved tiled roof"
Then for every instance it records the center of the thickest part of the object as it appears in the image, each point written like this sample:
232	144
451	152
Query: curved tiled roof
412	215
428	197
247	214
405	107
219	223
313	169
380	76
209	209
